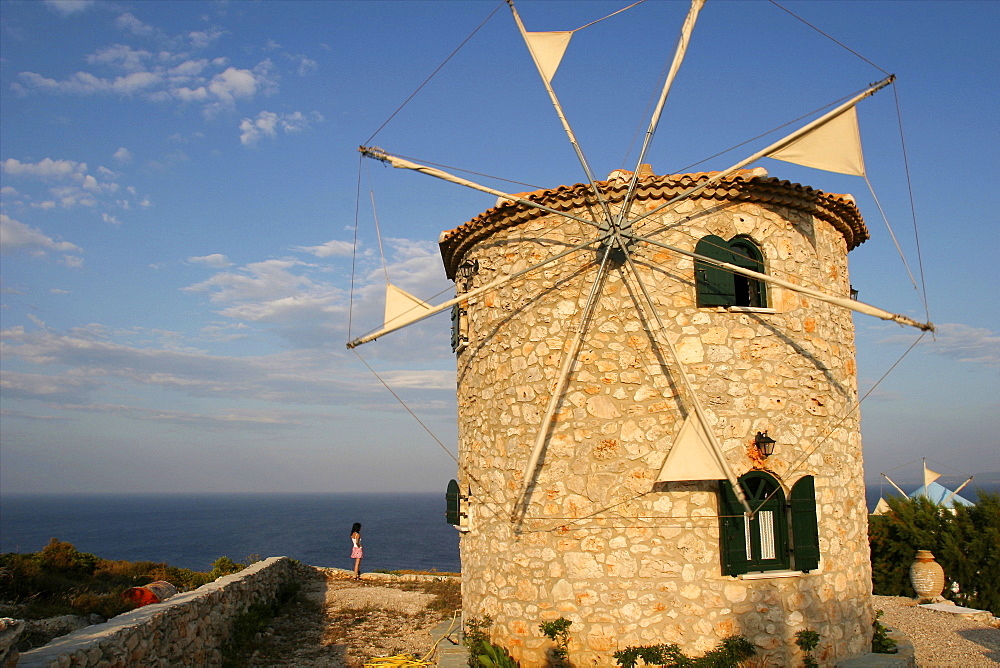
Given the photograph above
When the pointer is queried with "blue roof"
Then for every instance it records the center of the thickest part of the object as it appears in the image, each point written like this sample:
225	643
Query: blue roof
938	493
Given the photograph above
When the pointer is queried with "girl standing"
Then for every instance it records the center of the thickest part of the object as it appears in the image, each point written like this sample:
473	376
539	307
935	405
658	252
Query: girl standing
356	552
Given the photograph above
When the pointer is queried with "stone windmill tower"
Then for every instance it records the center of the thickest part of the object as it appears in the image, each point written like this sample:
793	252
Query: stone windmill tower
626	524
658	436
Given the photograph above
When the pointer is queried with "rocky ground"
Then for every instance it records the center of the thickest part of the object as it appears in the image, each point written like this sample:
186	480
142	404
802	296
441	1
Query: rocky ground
336	621
941	639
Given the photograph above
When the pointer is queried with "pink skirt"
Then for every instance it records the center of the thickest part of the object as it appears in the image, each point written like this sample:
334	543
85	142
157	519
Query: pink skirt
356	553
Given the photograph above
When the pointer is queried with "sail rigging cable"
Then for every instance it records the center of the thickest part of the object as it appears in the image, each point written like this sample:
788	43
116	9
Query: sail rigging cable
432	75
354	250
832	39
852	304
408	409
892	234
378	228
913	208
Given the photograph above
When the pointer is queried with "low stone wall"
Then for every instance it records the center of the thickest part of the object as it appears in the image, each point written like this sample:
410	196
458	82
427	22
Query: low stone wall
188	629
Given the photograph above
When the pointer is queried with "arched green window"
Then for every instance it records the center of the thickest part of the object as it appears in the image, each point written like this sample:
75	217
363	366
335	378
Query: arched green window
758	543
720	287
453	504
763	542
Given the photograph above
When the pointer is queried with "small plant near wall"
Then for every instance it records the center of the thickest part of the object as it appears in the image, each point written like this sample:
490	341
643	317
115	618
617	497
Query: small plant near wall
881	642
731	652
494	656
477	637
558	632
807	641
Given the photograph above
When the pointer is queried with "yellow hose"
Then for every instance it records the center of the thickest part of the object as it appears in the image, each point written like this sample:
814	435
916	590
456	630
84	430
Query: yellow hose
403	660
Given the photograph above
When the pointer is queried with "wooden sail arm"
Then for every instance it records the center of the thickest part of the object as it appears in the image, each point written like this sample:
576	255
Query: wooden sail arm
713	440
780	144
562	116
891	482
675	65
955	493
521	501
418	314
381	155
851	304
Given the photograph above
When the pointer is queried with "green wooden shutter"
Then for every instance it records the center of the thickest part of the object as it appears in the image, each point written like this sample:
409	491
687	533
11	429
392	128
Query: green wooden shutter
715	286
732	532
456	327
452	513
805	532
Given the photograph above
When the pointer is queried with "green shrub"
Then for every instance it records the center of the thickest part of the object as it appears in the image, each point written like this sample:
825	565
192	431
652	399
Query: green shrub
61	580
225	566
881	642
807	640
727	654
477	637
558	632
495	656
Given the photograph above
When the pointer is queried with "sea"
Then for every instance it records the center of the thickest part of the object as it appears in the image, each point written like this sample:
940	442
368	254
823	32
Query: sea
399	531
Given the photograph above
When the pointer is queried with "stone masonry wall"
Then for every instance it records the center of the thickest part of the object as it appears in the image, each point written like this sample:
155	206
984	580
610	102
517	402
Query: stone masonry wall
628	560
188	629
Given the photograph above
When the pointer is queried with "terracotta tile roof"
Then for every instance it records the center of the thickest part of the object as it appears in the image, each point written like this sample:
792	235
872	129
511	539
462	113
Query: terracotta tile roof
742	186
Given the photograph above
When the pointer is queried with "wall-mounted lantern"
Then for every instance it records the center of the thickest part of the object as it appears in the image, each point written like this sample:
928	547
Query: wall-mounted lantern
764	443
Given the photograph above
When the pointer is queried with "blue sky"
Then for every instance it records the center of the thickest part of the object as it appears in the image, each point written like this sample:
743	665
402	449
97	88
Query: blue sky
179	195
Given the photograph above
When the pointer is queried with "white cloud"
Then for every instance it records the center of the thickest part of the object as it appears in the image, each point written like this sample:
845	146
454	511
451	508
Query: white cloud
16	236
972	345
122	56
960	342
233	83
70	367
123	155
258	281
268	123
306	65
69	7
200	39
215	260
131	24
332	248
68	184
189	68
46	168
187	81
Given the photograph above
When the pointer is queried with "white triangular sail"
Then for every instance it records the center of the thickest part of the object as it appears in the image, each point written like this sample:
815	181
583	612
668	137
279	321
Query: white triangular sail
929	475
692	456
547	49
834	146
882	507
401	304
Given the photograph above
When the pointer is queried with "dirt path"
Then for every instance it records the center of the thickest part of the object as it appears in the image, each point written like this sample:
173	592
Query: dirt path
335	621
